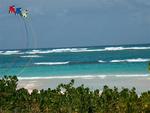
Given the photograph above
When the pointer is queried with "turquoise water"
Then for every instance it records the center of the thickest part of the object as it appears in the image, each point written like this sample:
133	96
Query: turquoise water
120	60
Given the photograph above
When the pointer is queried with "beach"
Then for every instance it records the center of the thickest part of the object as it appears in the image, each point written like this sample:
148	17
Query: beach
141	84
94	66
74	56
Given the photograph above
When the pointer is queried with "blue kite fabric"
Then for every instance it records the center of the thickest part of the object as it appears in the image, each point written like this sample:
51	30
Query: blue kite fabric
18	11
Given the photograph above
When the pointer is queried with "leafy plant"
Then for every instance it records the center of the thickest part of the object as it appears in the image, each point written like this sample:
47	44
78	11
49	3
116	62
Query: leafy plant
69	99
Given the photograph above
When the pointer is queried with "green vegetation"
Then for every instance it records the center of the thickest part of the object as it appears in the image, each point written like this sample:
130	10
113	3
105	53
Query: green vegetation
149	66
72	100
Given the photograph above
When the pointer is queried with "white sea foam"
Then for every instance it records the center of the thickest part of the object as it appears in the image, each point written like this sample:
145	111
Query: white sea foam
83	76
114	48
72	50
84	50
37	52
56	50
138	60
118	61
31	56
131	60
117	49
133	75
69	50
64	77
125	48
101	61
1	52
51	63
138	48
10	52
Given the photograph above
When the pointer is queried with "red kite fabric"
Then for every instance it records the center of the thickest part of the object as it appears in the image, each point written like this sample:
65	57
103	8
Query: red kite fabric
12	9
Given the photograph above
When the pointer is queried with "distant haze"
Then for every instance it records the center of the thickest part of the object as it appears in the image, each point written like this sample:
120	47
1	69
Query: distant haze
65	23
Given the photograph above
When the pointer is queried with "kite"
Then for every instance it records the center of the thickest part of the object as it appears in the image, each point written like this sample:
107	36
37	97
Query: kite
18	11
12	9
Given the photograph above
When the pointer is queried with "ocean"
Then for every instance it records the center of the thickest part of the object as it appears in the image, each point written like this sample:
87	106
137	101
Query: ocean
99	61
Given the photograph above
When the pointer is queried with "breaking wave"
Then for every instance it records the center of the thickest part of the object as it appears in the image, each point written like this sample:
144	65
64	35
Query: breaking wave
72	50
56	50
83	76
125	48
51	63
131	60
31	56
92	62
101	61
64	77
10	52
85	50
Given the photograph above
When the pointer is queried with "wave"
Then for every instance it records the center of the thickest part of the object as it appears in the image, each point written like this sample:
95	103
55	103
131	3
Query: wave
133	75
114	48
31	56
101	61
83	76
69	62
125	48
10	52
51	63
92	62
56	50
73	50
131	60
84	50
35	51
63	77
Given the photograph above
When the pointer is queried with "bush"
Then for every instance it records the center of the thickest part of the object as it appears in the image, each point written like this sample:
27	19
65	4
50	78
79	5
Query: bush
71	100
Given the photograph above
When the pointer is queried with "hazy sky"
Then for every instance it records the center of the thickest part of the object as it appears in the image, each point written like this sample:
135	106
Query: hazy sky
57	23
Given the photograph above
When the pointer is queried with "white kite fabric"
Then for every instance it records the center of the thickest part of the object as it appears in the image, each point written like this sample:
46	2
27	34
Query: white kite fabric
18	11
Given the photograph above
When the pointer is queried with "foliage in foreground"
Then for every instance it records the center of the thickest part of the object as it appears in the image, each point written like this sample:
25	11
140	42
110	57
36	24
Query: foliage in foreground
72	100
149	66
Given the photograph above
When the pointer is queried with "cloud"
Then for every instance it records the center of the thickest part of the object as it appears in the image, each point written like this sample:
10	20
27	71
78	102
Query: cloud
79	19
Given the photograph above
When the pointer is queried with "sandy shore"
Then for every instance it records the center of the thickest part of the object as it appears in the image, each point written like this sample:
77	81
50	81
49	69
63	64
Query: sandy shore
140	83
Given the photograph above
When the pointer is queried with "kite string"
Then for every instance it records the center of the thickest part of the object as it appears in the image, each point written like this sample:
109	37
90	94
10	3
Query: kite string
26	32
27	26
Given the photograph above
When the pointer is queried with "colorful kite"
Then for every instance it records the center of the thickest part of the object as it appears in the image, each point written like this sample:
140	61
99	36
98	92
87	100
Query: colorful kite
18	11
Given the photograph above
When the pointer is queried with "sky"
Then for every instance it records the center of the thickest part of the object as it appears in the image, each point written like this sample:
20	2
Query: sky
67	23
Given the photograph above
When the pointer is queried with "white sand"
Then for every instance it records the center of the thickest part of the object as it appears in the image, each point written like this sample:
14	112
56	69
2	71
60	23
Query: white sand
140	83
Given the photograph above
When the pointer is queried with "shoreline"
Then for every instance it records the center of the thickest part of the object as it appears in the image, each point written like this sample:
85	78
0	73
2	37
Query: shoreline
141	83
83	76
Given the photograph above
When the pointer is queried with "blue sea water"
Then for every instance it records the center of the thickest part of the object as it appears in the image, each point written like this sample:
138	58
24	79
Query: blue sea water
122	60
